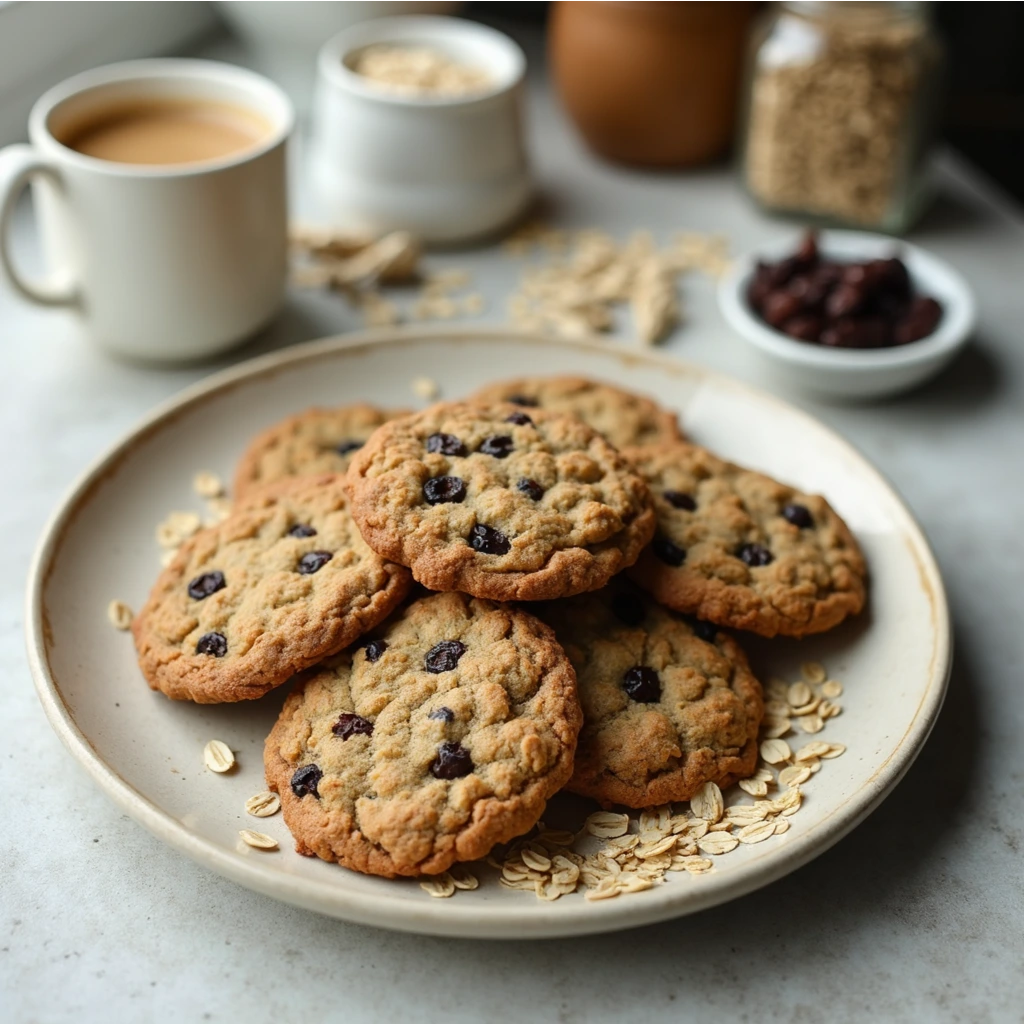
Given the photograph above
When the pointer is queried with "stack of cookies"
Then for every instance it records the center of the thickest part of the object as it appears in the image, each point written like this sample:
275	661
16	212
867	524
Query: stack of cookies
486	602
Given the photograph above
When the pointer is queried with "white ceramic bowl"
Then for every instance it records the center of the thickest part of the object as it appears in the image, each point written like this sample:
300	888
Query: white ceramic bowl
854	373
446	169
286	34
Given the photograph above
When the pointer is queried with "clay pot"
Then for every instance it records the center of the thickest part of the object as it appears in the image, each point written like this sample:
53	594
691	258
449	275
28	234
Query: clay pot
651	83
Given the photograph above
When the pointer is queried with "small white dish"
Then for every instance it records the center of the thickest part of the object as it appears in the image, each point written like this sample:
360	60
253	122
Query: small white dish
854	373
145	751
445	168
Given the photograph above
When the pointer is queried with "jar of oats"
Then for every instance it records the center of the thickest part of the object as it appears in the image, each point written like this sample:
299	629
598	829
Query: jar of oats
840	106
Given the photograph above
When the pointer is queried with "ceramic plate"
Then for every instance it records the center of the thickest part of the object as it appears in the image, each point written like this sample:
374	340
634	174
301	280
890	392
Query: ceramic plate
146	751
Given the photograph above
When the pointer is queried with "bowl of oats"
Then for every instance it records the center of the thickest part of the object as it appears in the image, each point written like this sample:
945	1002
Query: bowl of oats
417	126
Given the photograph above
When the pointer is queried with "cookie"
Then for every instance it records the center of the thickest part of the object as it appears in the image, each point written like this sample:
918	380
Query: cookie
623	418
314	441
667	704
443	735
739	549
499	503
278	585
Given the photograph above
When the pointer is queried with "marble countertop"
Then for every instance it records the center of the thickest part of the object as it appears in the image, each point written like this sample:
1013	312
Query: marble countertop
916	916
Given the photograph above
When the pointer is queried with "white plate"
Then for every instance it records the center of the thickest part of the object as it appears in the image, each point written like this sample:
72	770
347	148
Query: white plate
146	751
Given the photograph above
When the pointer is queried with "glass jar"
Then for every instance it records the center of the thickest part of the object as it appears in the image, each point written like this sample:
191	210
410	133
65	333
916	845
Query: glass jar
840	108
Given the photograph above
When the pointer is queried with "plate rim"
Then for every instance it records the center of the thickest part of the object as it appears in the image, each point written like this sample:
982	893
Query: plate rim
450	918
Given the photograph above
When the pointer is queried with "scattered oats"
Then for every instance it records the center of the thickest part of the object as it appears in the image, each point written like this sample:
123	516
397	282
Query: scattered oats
707	802
720	826
778	689
794	775
218	756
120	615
717	843
832	688
646	852
775	751
605	890
606	824
697	829
424	387
834	750
777	708
765	775
207	485
826	709
259	840
219	508
811	723
462	877
799	694
656	819
746	814
440	887
775	728
622	844
177	527
781	826
697	865
755	787
815	767
473	304
379	312
807	709
629	882
757	832
534	857
263	805
813	672
526	885
809	751
451	280
654	302
439	307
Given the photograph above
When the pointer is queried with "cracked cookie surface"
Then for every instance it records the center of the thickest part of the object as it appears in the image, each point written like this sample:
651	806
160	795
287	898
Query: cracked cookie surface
624	418
667	704
315	441
499	501
443	735
740	549
281	583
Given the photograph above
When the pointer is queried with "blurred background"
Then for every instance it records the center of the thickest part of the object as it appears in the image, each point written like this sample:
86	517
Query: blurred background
981	112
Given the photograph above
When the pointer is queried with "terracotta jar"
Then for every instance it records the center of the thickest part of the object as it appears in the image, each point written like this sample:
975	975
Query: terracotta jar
651	83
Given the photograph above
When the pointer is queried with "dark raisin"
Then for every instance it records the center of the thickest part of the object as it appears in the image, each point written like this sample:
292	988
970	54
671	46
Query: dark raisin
669	553
374	649
628	609
520	419
498	445
445	444
440	489
348	445
214	644
302	530
489	541
522	400
305	780
207	584
452	762
442	714
798	515
444	656
677	499
642	684
530	488
779	307
352	725
754	555
705	630
313	561
921	319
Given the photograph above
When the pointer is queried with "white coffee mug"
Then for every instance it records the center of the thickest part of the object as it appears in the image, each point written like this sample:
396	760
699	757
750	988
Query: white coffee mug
158	262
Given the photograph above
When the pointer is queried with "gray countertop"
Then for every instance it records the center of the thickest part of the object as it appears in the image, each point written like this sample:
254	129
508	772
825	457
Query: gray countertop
916	916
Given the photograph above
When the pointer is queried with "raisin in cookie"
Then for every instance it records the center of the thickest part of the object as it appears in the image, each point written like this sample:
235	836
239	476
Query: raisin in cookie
281	583
499	503
667	704
623	418
739	549
314	441
443	735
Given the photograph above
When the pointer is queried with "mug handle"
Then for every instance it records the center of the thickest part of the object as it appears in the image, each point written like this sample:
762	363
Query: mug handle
19	164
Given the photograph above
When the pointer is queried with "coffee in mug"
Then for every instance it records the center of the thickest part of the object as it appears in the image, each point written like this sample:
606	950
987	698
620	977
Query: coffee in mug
161	201
167	131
